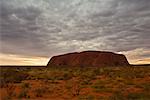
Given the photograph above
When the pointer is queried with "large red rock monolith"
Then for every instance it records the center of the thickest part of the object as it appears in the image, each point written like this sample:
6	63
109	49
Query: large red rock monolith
89	59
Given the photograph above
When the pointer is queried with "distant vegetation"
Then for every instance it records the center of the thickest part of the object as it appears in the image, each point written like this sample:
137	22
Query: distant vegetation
106	83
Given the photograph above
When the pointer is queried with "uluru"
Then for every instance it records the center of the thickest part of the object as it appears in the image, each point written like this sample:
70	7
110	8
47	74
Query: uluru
89	59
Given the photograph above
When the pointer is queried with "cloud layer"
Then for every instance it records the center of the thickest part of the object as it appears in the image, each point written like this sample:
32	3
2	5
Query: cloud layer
49	27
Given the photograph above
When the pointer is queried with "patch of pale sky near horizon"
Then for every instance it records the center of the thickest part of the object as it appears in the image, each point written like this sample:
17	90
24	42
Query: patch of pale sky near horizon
138	56
10	59
134	57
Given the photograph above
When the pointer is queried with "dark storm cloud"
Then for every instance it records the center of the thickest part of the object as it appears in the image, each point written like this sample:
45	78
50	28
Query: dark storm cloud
18	30
46	27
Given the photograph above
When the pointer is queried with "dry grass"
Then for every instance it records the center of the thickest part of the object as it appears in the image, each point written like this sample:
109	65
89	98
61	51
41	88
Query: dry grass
109	83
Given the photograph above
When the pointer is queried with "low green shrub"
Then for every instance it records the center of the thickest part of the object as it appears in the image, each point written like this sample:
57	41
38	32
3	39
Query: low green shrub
10	75
39	91
23	94
138	96
25	85
117	96
86	97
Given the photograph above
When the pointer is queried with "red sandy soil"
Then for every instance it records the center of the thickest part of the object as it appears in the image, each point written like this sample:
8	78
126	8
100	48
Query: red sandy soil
58	90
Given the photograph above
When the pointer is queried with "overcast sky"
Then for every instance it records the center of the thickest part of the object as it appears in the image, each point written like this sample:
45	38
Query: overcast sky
43	28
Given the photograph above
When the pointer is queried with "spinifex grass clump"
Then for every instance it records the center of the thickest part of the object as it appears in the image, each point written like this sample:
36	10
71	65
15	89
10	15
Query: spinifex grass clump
9	75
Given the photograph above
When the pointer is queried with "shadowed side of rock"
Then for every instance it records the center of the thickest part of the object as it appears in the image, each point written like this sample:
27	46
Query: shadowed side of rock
89	59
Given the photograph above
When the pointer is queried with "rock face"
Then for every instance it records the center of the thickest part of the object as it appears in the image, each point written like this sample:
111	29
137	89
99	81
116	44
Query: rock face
89	59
